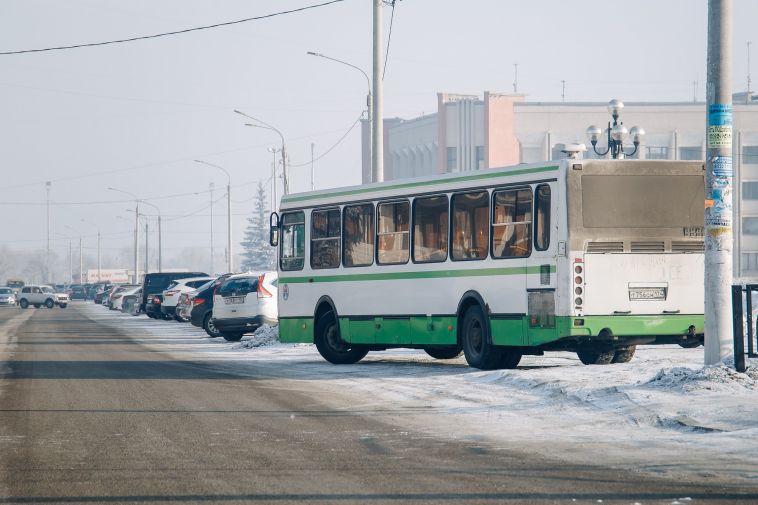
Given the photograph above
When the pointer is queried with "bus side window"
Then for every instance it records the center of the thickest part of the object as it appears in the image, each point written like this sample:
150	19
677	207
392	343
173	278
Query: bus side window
430	221
392	233
358	233
325	238
470	225
292	242
512	223
542	218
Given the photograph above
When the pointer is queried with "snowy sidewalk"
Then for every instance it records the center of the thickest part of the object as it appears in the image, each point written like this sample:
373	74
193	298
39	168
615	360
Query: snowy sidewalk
662	413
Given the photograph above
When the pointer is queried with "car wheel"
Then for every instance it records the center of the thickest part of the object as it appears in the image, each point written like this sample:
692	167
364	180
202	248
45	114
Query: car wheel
63	305
446	352
49	303
480	353
330	344
209	327
232	336
24	303
37	305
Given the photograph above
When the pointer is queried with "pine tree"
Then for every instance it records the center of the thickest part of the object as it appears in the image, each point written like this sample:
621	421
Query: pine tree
258	255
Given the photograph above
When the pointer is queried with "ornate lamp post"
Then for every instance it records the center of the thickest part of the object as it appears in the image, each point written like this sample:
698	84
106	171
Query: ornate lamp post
617	134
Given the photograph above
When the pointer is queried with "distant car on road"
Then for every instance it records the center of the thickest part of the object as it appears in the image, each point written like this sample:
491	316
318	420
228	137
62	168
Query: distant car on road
244	302
41	295
7	297
77	292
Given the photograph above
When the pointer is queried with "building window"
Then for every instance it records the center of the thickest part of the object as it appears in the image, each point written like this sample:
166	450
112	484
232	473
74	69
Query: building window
542	218
325	238
657	153
691	153
512	223
392	233
452	159
750	190
430	229
470	225
750	225
358	222
479	157
293	241
750	155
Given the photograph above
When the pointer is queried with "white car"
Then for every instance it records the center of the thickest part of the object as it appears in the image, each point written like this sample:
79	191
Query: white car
116	301
6	296
175	289
244	302
41	295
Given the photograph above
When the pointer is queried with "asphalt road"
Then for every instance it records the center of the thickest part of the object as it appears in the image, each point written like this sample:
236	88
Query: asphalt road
88	415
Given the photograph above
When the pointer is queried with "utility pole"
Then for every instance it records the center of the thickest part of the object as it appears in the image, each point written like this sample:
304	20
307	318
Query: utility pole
312	147
211	188
160	245
515	78
563	91
81	262
377	129
694	91
718	184
748	97
99	265
136	243
70	262
147	265
47	256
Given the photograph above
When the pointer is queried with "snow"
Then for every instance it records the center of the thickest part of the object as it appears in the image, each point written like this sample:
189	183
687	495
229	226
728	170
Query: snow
662	413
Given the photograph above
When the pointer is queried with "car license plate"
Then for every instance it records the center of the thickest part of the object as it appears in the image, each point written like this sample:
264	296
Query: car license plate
234	300
647	293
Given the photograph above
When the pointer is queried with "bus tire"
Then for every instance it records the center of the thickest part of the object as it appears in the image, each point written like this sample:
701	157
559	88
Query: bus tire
446	352
510	359
232	336
475	339
331	346
690	344
595	355
624	354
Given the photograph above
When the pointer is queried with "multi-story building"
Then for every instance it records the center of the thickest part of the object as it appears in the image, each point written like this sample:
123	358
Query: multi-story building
471	132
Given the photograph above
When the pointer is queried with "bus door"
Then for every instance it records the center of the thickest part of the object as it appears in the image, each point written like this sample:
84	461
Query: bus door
541	278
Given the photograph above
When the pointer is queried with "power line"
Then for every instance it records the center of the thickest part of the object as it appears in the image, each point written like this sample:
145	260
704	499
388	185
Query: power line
389	35
331	148
176	32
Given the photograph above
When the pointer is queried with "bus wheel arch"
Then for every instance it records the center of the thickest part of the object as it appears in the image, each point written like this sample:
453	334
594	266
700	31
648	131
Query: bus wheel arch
326	336
468	300
475	336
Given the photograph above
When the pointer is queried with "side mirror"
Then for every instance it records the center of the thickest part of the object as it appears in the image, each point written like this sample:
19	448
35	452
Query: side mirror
273	232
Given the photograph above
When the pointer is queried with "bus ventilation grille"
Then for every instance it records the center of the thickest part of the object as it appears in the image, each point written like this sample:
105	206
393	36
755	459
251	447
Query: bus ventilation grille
647	247
605	247
685	247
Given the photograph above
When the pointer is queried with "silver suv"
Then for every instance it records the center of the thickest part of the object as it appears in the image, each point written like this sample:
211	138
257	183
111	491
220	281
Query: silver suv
41	295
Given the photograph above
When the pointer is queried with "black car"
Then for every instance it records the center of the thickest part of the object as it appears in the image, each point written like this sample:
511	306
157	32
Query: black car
153	307
202	307
156	283
77	292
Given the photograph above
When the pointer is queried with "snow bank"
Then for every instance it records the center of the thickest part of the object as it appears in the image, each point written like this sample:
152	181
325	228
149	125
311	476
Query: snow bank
722	377
264	336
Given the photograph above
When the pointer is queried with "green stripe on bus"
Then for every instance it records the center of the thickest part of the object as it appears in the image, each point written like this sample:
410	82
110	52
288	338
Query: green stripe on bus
463	178
429	274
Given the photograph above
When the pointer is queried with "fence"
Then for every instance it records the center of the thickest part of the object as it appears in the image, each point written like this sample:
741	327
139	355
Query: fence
740	319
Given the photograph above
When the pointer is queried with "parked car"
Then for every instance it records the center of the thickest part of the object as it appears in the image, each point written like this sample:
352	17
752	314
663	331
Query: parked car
77	292
153	306
100	292
176	288
184	306
130	301
202	306
7	297
115	299
41	295
244	302
157	282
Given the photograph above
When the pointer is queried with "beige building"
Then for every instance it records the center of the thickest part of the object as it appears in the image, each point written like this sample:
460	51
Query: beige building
470	132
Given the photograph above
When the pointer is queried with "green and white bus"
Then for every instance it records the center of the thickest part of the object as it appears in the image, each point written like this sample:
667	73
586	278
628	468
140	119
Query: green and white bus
589	256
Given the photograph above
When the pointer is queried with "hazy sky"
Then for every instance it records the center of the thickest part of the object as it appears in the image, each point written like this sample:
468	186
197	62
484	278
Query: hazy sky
134	116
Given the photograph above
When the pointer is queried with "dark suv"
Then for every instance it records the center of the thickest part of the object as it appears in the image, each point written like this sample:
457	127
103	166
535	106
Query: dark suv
156	283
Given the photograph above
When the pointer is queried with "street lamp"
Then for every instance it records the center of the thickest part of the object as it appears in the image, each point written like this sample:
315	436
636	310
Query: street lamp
98	248
136	232
160	235
81	262
617	133
369	97
267	126
273	150
229	256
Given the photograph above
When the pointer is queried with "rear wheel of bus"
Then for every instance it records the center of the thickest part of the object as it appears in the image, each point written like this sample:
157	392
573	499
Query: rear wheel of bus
330	344
444	352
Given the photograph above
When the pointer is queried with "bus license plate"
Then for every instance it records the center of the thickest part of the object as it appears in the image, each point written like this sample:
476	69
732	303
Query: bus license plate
234	300
647	293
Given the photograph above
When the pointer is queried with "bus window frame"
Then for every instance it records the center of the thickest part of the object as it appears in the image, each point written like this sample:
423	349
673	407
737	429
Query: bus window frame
281	242
373	222
338	237
518	187
376	230
549	216
413	227
451	217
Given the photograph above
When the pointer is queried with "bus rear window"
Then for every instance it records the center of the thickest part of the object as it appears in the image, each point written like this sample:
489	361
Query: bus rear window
642	201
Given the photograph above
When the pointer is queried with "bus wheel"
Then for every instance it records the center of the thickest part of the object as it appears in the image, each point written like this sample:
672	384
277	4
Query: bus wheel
331	346
690	344
510	359
479	352
624	354
595	355
446	352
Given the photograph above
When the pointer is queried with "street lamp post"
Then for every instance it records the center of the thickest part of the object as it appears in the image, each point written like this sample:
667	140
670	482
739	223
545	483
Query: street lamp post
273	150
81	257
267	126
617	133
160	236
136	232
369	100
229	255
211	186
99	277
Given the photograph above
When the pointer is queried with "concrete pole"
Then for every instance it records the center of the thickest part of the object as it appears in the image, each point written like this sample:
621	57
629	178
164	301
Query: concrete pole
81	262
273	185
312	147
285	175
377	132
211	270
99	265
70	262
718	184
229	257
136	243
147	265
160	244
47	256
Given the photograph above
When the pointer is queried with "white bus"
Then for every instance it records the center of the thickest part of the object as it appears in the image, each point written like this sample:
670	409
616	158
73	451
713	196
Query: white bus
589	256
